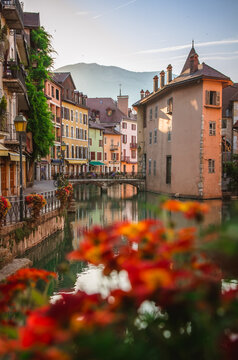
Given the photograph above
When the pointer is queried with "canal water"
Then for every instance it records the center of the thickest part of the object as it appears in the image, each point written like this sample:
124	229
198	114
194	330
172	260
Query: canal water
120	203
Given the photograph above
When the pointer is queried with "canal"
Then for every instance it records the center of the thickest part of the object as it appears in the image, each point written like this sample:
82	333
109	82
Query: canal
120	203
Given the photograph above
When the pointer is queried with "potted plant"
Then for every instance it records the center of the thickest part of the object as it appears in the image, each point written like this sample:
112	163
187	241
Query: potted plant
35	202
5	205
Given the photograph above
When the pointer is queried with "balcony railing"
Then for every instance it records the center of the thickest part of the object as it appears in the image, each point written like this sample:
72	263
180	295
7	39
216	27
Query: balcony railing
114	147
58	139
125	158
133	145
12	136
13	13
14	77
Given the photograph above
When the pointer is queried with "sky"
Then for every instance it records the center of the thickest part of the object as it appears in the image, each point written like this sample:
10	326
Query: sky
142	35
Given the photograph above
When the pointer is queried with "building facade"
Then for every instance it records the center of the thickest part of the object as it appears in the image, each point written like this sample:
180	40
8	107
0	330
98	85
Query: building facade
179	127
96	151
74	126
112	150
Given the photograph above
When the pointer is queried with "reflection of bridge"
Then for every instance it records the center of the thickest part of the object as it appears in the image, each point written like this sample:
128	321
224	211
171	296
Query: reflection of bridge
104	184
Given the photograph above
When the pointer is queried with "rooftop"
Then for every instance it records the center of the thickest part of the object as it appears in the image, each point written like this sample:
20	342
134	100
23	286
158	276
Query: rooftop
31	20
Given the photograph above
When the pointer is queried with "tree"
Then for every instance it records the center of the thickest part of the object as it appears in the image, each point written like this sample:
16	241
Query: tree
39	121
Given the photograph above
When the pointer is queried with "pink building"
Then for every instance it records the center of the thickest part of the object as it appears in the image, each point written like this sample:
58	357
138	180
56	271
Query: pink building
179	131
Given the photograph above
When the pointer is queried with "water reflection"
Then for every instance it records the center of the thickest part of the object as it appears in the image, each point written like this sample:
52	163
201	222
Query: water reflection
121	203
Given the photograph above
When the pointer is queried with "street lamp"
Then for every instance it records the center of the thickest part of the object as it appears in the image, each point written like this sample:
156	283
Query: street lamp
63	148
20	123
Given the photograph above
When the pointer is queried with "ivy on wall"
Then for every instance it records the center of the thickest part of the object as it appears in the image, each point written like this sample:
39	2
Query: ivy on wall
39	122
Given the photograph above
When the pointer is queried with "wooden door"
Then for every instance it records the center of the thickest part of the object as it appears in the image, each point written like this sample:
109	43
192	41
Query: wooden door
4	180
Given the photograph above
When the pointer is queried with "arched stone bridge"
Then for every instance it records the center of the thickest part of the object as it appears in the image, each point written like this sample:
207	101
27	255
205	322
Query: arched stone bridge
104	184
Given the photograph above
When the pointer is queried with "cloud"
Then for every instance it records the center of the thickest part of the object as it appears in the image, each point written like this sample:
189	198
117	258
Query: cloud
181	47
82	13
115	9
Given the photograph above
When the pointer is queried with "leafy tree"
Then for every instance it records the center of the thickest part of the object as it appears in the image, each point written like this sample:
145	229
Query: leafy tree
231	168
39	122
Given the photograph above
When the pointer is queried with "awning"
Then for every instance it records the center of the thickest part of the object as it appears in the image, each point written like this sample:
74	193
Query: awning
56	161
16	157
96	163
3	151
77	162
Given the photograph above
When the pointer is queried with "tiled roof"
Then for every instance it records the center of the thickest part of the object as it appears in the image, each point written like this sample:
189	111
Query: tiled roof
61	76
101	105
230	93
204	71
94	125
111	131
31	20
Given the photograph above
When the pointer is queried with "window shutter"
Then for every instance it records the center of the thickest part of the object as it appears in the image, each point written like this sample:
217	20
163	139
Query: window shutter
117	156
218	98
207	97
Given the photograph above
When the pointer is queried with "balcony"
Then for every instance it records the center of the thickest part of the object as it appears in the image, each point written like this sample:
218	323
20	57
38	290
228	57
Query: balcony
14	77
133	145
13	13
4	125
22	45
12	137
114	147
58	139
125	159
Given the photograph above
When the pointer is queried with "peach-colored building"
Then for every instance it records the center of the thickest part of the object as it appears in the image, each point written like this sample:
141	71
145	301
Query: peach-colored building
112	150
179	131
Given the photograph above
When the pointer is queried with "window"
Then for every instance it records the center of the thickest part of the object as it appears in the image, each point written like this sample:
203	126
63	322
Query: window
133	139
80	117
62	129
124	139
65	113
154	167
57	94
77	152
67	151
93	155
99	156
105	156
72	132
67	131
212	128
224	123
212	98
76	116
169	134
151	113
150	137
168	169
133	126
156	112
105	140
100	143
52	91
124	125
170	105
90	142
133	154
211	166
149	167
72	115
85	119
77	133
72	151
85	134
155	136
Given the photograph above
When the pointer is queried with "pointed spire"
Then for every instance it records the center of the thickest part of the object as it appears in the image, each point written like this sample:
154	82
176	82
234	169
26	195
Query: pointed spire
187	62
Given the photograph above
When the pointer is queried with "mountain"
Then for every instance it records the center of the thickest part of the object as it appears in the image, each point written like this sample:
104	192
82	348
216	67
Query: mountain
104	81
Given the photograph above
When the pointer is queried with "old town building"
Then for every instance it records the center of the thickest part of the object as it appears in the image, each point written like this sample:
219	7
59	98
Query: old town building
14	57
74	125
96	152
179	126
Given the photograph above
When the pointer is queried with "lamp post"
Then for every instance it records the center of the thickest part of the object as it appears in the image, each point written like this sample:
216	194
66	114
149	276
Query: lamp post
63	148
20	123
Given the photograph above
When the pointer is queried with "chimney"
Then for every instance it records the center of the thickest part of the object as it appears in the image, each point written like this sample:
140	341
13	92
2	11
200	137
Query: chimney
155	83
122	103
169	73
142	94
147	93
193	63
162	74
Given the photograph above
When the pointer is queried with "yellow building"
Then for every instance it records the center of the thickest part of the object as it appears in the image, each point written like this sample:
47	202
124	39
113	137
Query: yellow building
74	126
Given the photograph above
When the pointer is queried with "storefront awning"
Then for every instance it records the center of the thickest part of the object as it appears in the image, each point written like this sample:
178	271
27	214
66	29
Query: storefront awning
77	162
96	163
3	151
16	157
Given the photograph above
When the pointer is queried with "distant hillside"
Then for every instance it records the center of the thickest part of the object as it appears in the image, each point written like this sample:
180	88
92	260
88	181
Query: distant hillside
103	81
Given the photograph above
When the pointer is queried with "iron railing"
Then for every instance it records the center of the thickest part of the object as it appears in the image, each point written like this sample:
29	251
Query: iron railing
114	147
14	71
133	145
15	3
13	215
4	122
111	175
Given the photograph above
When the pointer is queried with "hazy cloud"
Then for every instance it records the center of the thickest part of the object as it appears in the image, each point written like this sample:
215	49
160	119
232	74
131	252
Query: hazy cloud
181	47
82	13
117	8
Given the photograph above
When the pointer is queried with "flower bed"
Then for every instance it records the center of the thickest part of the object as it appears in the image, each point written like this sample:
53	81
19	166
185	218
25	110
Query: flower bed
5	205
173	306
35	202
